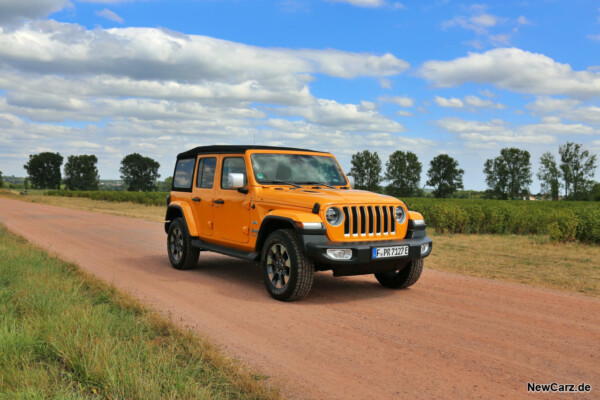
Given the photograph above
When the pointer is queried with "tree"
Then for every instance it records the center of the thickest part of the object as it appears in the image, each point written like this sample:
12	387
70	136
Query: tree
165	186
444	176
1	180
508	176
139	173
81	172
44	170
403	171
366	170
595	192
168	184
549	175
577	168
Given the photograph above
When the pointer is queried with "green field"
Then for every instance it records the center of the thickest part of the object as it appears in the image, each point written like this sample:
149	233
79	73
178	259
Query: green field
66	335
563	220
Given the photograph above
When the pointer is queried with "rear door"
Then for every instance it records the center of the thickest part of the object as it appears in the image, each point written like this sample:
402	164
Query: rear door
203	195
232	208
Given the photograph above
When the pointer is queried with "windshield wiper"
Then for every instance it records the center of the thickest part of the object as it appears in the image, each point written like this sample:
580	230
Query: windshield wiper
282	182
317	183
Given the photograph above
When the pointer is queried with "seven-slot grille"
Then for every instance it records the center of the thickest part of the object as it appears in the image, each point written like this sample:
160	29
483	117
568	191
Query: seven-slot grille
369	221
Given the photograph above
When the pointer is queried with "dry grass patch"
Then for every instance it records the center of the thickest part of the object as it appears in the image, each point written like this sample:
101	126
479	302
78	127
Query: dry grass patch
149	213
533	260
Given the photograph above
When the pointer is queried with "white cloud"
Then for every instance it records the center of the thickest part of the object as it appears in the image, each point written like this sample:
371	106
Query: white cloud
480	22
513	69
487	93
487	20
14	11
367	106
501	39
570	109
148	53
345	117
363	3
385	83
402	101
499	132
451	102
522	20
479	102
108	14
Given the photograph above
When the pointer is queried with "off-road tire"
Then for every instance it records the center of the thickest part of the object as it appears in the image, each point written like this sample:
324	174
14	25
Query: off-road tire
403	278
186	256
301	269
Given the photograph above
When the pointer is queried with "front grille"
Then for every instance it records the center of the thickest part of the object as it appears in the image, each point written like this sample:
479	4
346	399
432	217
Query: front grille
364	221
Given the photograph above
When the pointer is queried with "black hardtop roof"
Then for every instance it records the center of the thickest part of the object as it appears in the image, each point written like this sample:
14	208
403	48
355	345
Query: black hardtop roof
233	149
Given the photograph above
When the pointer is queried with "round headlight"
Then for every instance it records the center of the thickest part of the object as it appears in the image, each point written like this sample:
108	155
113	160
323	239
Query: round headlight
400	214
334	216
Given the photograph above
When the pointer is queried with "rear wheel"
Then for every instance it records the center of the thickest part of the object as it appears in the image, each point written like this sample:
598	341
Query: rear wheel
288	272
402	278
179	246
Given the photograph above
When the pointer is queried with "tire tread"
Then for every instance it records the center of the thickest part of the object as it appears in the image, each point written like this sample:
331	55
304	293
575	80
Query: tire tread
191	254
305	270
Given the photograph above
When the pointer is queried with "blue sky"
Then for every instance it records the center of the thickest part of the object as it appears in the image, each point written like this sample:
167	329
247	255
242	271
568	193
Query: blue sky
157	77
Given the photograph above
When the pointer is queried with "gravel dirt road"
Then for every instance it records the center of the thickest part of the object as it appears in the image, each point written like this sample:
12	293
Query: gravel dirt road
447	337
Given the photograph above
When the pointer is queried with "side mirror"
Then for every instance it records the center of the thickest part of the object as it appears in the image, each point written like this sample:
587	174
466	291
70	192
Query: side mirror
351	181
235	180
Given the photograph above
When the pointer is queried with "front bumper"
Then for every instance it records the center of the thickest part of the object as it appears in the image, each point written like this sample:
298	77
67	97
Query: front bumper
362	261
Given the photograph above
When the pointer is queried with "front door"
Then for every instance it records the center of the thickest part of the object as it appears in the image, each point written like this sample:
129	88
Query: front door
232	212
203	195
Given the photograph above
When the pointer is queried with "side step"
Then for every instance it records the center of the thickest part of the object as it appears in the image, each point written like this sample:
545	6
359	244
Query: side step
228	251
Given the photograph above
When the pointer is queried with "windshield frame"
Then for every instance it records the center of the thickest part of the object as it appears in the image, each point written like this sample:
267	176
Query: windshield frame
344	180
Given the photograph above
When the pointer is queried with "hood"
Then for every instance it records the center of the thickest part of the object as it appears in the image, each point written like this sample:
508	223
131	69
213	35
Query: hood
307	196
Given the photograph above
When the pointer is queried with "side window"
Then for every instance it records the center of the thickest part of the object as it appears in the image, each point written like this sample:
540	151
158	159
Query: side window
233	166
184	172
206	173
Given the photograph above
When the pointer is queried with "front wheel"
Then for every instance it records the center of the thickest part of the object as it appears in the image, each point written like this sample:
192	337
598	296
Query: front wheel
179	246
288	272
402	278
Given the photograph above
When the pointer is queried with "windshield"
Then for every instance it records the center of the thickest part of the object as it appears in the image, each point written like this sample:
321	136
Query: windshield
297	169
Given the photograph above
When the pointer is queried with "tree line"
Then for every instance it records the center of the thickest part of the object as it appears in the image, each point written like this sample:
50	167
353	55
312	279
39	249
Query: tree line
138	173
507	176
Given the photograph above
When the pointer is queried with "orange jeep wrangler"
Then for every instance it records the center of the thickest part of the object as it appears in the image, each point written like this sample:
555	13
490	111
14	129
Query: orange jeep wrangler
293	211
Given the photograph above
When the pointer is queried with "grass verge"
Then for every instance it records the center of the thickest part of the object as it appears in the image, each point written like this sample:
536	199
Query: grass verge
66	335
530	259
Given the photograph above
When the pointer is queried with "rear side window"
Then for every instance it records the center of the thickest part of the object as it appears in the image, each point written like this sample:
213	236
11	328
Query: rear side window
184	172
206	173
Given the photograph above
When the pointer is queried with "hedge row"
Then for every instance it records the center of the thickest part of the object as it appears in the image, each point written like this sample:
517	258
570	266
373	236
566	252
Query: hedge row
563	221
147	198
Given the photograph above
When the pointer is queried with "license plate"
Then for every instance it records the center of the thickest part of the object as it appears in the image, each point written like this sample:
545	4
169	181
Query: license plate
392	251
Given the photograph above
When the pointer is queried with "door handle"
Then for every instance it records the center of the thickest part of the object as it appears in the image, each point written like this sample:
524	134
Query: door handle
196	199
219	201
